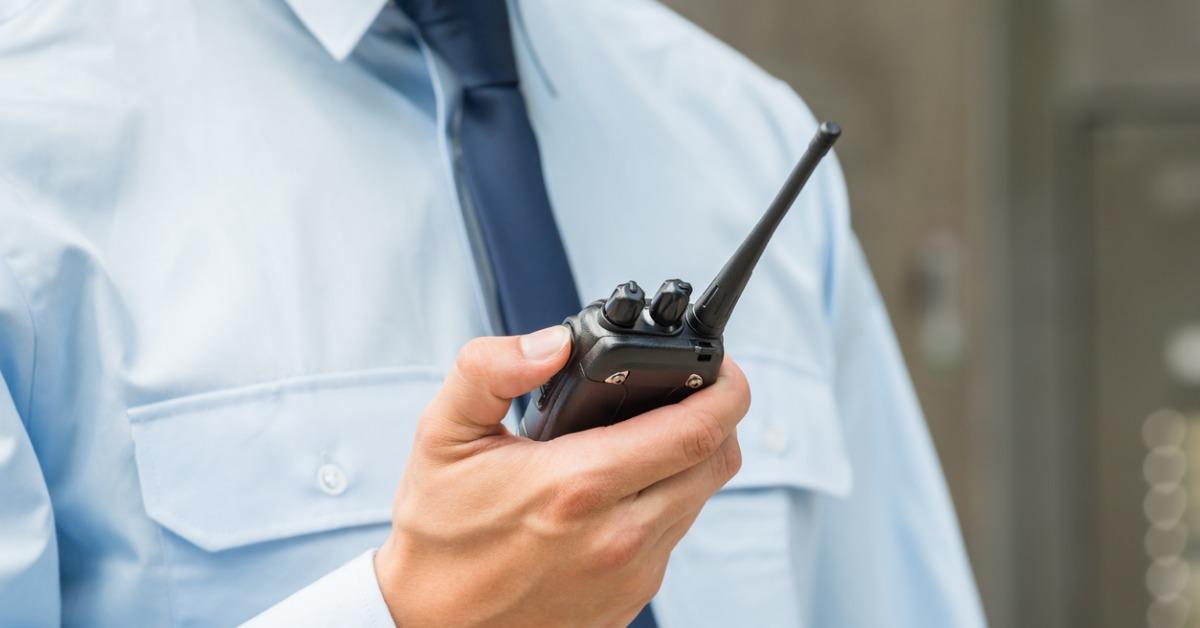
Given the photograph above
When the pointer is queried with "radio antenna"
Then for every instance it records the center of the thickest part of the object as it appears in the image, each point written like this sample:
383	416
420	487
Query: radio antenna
712	310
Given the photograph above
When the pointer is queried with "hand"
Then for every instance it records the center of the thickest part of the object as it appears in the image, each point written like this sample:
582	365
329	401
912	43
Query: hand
492	529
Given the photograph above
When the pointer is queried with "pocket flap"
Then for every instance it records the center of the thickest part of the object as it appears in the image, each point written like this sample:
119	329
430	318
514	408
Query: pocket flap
792	435
276	460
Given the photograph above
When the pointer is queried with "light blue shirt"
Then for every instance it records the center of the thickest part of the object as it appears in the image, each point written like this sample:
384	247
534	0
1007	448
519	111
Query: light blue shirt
233	268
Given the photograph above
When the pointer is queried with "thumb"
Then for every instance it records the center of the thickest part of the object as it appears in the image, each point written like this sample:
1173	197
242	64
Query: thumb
488	374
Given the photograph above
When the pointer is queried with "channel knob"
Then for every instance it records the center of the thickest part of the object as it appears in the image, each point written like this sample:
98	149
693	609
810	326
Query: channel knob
625	304
670	302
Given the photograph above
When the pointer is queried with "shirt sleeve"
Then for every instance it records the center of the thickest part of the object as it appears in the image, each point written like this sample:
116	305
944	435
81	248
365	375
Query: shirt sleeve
894	541
348	596
29	590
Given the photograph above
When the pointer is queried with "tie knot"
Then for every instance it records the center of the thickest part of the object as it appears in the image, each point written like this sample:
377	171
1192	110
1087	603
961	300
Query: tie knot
472	36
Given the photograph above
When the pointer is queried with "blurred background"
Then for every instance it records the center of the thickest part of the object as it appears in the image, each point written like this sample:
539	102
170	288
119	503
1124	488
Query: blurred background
1025	178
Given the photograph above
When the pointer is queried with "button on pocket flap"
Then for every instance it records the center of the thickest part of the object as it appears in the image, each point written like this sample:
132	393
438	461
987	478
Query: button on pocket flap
792	435
276	460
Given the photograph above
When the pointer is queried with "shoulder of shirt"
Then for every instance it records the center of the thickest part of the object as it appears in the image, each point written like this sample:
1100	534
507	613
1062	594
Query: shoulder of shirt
649	31
754	114
681	62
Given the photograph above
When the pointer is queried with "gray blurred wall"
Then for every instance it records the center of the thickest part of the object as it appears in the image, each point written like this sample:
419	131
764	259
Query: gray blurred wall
1025	178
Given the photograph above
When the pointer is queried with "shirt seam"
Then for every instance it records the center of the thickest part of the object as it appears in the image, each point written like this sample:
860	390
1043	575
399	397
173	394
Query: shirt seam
22	292
150	478
168	578
216	398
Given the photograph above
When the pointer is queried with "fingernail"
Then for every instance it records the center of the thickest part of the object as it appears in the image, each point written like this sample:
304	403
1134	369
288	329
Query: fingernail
544	343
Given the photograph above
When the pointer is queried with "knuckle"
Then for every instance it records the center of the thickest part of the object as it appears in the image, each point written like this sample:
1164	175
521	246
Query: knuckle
740	390
649	584
427	433
576	498
731	460
703	436
623	548
473	359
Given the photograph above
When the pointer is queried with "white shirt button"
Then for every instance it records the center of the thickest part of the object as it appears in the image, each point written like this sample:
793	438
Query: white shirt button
775	437
331	479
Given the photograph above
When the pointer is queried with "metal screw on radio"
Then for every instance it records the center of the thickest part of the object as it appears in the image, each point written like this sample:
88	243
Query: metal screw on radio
617	378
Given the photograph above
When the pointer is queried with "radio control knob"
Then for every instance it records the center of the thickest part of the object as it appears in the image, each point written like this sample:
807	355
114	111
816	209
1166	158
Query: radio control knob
625	304
670	302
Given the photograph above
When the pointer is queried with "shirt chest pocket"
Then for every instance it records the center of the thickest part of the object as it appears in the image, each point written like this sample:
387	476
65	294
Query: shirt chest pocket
261	490
748	558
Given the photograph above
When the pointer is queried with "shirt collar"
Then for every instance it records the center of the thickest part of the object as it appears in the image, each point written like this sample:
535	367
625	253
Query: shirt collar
337	24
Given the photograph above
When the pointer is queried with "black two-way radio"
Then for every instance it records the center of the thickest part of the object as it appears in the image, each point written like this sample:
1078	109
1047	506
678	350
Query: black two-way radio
630	355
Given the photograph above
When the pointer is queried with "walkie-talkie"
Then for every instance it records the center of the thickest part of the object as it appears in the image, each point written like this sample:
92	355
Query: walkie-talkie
631	355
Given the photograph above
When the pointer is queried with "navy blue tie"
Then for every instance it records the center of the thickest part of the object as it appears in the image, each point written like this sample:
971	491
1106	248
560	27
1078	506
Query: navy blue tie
500	168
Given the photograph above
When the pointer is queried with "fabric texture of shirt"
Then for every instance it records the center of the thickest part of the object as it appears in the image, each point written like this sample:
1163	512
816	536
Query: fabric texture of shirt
234	268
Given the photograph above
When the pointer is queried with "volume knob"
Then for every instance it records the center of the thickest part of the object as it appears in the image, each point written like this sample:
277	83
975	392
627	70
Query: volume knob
625	304
670	302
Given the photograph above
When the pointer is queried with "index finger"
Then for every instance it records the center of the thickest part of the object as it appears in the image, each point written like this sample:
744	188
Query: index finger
631	455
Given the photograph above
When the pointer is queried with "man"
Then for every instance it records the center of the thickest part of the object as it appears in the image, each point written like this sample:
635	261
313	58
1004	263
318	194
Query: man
241	244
